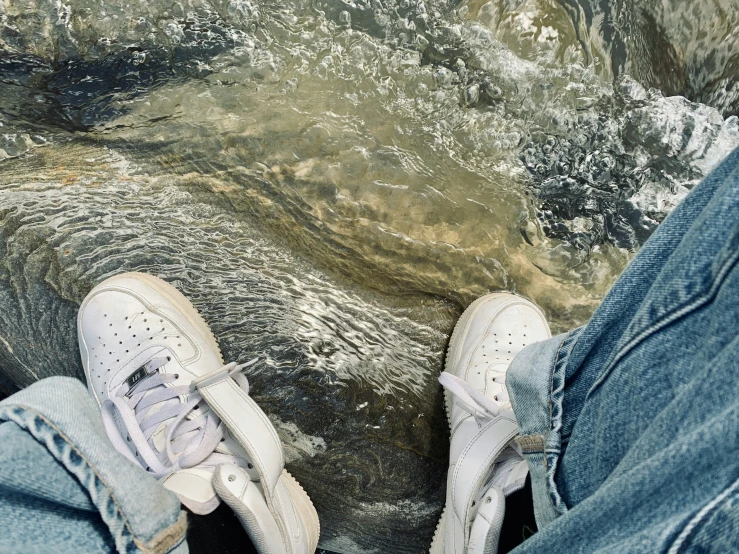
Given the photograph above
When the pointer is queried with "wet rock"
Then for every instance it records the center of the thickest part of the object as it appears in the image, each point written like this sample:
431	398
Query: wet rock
653	143
678	47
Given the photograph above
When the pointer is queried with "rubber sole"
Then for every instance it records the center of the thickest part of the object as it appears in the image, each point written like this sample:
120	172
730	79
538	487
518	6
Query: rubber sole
437	544
304	505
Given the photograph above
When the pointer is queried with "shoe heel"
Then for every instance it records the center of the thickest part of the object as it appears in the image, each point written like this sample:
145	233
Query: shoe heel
437	544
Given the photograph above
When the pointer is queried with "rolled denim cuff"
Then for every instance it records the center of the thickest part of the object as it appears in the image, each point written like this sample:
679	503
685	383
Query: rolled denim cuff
535	382
142	516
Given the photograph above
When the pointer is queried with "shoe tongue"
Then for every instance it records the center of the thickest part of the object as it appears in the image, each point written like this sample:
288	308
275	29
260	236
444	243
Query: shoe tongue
158	439
143	372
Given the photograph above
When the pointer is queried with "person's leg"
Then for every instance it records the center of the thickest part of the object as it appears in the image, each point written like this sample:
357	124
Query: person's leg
64	488
630	424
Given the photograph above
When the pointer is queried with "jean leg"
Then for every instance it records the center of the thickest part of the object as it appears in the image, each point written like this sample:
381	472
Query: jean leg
611	322
44	508
63	484
632	422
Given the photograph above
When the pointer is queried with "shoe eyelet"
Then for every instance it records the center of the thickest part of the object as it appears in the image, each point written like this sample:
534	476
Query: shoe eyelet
176	376
169	358
488	500
250	465
232	478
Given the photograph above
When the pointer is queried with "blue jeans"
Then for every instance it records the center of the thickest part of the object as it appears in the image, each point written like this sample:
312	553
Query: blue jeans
630	424
64	488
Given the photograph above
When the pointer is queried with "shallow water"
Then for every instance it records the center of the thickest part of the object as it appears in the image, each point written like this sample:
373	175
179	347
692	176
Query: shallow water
332	182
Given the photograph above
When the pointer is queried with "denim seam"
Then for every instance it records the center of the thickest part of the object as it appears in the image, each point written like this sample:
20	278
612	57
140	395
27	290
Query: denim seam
178	530
695	523
553	441
665	321
11	413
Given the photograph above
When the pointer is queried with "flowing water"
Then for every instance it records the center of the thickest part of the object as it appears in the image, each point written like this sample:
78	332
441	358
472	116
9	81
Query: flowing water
333	181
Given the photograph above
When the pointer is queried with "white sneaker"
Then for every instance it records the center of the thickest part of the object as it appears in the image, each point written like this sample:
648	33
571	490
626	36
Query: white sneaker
170	405
485	464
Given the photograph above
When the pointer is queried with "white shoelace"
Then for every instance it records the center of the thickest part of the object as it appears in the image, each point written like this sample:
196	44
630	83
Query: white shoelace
472	400
193	430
